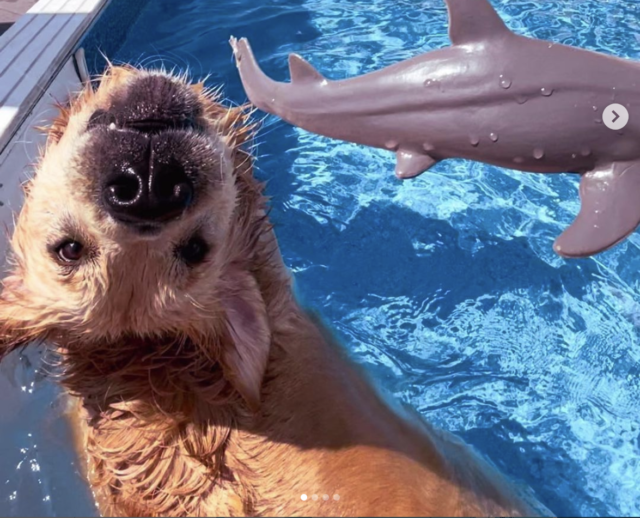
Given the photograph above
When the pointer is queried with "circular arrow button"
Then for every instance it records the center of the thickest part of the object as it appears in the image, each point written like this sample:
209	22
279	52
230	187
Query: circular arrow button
615	117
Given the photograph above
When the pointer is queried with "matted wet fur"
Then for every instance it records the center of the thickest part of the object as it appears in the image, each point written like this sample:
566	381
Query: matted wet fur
204	389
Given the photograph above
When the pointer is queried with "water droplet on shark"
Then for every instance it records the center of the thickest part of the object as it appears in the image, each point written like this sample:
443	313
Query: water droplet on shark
573	155
505	82
538	153
521	99
613	94
595	108
518	160
434	83
585	151
391	144
598	121
493	137
546	91
474	139
428	147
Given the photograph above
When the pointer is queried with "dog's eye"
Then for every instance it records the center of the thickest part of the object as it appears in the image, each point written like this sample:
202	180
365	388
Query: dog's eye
70	251
193	251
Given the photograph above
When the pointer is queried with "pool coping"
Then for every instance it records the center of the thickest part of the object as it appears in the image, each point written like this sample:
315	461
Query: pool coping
34	50
11	10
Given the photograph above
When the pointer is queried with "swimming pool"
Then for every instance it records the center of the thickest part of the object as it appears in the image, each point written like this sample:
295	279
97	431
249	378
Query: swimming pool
446	287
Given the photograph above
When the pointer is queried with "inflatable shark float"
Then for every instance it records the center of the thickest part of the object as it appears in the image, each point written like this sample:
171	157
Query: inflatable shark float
494	97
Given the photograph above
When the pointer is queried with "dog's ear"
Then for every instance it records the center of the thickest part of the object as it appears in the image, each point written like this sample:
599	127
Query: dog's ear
245	359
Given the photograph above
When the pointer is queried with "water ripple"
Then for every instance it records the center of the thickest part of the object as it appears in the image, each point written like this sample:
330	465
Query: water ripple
552	352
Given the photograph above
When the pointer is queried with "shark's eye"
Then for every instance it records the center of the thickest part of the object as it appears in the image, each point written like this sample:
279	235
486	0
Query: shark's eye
193	251
70	251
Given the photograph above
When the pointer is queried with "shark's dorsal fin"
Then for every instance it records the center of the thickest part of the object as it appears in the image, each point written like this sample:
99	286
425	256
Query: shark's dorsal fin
473	20
302	71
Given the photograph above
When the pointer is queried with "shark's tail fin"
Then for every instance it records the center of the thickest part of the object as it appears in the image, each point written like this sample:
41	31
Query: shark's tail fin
261	90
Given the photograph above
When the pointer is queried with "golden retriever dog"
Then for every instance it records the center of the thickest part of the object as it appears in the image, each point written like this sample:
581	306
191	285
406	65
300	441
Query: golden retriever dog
144	258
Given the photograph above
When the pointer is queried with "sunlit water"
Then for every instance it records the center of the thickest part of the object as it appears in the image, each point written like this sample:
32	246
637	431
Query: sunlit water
446	287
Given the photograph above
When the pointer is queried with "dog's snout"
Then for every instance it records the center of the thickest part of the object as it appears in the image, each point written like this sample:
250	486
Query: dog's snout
148	192
149	151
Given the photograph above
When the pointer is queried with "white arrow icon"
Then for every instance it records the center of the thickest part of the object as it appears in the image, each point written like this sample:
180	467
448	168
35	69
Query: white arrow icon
615	117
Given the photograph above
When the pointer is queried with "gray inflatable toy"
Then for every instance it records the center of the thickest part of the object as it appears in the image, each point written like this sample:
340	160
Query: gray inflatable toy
494	97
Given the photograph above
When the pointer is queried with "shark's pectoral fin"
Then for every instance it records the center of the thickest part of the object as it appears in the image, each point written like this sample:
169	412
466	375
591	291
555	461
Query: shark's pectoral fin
302	71
410	164
473	20
610	210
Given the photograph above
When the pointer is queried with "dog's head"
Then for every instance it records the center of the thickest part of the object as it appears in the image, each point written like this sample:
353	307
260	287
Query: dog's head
142	221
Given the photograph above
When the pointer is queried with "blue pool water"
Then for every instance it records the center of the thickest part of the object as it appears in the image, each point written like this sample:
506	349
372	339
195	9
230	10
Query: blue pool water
446	287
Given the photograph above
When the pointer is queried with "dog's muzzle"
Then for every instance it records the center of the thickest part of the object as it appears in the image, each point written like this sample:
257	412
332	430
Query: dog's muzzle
148	185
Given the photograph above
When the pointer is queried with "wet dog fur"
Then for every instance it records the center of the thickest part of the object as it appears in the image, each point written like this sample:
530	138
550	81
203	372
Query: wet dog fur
204	389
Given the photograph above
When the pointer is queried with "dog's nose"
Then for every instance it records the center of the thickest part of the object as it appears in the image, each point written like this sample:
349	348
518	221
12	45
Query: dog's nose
147	193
